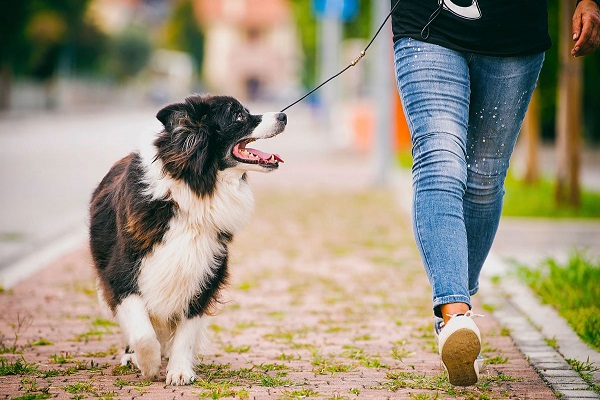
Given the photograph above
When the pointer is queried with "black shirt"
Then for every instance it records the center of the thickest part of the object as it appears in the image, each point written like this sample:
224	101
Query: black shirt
493	27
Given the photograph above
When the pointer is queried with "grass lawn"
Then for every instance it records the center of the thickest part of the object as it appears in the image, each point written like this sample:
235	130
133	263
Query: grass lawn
573	290
537	200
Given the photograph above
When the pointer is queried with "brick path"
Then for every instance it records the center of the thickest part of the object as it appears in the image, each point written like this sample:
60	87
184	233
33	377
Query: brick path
327	300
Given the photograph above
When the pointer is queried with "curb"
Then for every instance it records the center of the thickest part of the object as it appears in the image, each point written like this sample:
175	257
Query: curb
41	258
530	323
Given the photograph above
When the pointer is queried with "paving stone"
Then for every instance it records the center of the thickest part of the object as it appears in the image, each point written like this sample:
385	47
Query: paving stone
578	394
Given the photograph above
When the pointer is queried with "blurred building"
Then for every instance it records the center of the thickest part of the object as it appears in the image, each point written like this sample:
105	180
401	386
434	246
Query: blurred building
251	48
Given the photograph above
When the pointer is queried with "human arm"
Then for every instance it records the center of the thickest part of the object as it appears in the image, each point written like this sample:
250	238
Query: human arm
586	27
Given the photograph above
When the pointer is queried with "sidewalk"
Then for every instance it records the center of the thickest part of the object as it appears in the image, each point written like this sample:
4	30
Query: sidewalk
327	299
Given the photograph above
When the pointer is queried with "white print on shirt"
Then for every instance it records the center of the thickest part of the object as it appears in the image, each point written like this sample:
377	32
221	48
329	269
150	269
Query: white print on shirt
470	12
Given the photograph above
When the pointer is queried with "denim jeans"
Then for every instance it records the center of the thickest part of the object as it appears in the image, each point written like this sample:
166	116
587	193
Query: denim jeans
464	113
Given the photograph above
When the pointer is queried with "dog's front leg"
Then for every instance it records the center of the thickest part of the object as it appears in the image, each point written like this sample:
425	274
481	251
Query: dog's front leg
188	337
139	334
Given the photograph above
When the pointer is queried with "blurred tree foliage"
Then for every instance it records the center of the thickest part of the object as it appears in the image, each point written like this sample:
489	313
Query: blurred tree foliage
548	81
183	33
38	36
129	52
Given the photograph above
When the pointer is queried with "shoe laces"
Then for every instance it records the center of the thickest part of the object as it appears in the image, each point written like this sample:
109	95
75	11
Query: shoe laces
439	323
469	314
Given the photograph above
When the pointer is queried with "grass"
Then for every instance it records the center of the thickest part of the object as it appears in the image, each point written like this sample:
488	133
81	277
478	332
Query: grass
298	394
586	370
42	342
573	290
18	367
439	383
219	379
99	328
328	365
537	200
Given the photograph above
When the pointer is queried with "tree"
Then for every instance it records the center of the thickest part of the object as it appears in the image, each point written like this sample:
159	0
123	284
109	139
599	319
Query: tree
569	114
38	35
13	20
183	33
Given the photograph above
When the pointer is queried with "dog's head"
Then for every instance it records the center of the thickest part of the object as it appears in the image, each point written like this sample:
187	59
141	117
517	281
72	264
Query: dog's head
206	134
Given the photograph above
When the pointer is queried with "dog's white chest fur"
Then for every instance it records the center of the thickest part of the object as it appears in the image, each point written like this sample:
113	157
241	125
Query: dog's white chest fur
178	268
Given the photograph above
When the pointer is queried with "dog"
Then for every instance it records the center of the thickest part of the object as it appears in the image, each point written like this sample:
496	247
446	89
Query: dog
161	221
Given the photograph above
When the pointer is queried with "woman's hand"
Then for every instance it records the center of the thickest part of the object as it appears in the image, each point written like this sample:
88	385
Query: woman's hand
586	28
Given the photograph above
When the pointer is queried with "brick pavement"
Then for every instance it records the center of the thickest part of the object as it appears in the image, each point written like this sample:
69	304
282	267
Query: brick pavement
327	299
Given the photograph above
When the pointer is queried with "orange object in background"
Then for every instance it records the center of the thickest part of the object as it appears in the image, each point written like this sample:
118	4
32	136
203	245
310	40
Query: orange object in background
402	134
362	121
363	126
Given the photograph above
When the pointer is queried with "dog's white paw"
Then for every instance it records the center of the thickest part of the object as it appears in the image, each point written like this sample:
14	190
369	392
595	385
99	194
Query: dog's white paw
128	358
147	357
180	376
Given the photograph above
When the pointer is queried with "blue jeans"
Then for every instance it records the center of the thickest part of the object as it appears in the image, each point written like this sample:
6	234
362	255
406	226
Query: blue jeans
464	113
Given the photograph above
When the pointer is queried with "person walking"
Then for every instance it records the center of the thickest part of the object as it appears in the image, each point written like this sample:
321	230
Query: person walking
465	72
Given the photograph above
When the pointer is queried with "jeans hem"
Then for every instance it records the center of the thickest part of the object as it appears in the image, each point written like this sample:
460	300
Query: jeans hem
449	299
474	290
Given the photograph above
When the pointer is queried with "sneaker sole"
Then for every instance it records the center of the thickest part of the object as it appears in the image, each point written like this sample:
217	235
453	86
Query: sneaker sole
459	354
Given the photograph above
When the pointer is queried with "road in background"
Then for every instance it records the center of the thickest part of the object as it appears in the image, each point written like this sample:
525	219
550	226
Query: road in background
49	166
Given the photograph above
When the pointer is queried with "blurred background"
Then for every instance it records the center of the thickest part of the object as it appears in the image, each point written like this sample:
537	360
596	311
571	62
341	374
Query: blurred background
78	76
60	54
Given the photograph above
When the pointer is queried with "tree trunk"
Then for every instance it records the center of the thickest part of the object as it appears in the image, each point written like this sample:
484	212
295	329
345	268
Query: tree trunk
5	87
531	134
569	116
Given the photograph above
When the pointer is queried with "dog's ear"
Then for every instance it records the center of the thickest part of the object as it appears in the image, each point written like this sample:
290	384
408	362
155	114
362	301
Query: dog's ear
194	109
165	115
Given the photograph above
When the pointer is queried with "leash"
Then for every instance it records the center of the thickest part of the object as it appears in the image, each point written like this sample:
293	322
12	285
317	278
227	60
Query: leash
352	64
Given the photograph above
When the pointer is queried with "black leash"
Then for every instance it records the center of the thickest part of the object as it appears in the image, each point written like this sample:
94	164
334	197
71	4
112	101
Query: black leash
352	64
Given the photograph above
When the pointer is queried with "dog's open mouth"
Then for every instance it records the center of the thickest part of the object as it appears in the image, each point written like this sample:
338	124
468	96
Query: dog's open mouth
252	156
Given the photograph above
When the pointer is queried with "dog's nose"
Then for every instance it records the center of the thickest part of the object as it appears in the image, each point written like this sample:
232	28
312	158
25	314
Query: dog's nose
282	117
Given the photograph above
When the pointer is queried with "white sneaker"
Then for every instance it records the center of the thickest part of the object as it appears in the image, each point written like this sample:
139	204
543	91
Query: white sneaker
459	344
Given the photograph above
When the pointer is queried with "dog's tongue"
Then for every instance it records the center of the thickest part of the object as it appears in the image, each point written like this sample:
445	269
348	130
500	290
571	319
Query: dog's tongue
263	155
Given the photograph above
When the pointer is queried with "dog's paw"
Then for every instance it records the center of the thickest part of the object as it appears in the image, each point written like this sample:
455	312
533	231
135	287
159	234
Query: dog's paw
128	358
147	357
180	376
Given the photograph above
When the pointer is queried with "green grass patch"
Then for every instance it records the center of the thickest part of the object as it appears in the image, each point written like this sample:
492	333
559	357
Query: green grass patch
586	370
496	360
538	200
229	348
328	365
18	367
220	378
33	396
99	328
120	383
80	387
573	290
61	359
298	394
113	350
42	342
366	360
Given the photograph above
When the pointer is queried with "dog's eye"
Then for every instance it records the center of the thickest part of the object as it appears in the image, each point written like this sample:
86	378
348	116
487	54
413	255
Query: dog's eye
240	118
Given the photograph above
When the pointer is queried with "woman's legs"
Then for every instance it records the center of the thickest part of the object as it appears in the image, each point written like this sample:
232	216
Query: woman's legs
464	113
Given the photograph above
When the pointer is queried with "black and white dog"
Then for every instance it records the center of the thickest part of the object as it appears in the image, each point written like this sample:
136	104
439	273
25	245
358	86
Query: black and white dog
161	222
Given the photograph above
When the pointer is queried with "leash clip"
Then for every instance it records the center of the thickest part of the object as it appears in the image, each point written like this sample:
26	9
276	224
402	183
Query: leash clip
357	59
